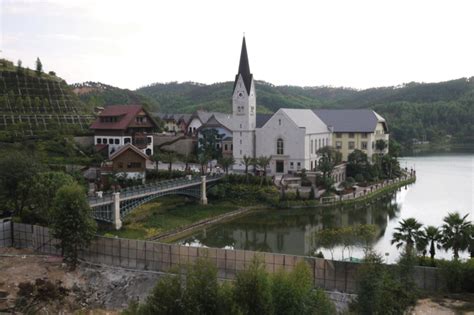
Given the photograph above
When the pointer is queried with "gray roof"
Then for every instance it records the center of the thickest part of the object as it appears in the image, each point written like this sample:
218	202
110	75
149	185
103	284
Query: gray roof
350	120
305	118
261	119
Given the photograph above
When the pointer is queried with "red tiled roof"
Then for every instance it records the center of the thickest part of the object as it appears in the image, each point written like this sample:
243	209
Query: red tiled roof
126	112
127	147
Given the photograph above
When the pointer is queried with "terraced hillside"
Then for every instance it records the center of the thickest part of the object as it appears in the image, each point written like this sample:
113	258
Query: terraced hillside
36	105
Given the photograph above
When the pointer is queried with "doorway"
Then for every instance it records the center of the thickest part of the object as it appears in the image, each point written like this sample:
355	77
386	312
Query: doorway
280	166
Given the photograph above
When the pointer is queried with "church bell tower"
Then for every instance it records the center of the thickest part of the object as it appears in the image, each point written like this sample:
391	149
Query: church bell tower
244	111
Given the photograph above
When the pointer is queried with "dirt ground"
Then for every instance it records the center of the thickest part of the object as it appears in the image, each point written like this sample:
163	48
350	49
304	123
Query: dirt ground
91	289
445	306
107	290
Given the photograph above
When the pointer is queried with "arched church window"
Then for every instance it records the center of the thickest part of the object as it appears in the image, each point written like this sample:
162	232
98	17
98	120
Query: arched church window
280	146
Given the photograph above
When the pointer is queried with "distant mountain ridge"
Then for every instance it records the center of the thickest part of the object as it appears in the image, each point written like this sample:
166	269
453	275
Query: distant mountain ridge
423	111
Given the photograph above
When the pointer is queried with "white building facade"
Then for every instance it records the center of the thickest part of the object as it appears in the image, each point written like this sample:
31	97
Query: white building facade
292	137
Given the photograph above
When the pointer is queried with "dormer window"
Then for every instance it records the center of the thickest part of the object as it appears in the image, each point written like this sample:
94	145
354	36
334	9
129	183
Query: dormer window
108	119
140	119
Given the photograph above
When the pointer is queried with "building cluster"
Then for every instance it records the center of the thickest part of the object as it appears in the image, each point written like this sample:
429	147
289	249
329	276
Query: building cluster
290	137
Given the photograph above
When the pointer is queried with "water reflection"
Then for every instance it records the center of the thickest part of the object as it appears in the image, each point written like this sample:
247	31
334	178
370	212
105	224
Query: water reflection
292	231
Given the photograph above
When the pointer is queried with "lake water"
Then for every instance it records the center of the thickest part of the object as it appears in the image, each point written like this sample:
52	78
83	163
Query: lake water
444	183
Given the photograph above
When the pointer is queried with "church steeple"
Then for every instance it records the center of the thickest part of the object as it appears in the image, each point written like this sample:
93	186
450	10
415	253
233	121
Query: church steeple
244	68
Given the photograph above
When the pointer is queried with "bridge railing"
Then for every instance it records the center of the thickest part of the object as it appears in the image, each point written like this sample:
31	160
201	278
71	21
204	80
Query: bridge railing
150	187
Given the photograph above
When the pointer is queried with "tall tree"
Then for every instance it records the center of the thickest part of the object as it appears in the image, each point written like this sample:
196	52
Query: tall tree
39	66
456	233
226	162
44	187
408	232
72	222
16	171
170	158
433	238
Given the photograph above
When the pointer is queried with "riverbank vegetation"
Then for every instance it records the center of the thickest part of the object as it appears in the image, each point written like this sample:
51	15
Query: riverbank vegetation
165	214
254	291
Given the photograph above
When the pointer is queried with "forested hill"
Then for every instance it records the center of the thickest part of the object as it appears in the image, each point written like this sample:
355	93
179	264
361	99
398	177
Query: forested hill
37	104
95	94
423	111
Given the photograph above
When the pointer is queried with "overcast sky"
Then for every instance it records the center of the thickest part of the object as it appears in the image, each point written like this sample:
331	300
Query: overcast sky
339	43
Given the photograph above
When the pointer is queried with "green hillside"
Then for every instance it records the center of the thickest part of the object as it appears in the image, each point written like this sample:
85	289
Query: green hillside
33	104
441	113
95	94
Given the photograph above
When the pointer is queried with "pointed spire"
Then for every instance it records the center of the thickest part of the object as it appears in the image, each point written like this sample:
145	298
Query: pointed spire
244	68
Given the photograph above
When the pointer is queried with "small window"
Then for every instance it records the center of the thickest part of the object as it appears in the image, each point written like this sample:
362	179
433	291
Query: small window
232	147
351	145
298	166
126	140
240	141
280	149
364	135
373	145
104	140
99	140
240	128
111	141
279	122
117	141
134	165
364	145
292	164
338	135
149	139
148	151
351	135
338	145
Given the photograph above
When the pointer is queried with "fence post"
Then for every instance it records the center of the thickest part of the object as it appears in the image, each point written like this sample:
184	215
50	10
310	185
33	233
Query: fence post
116	211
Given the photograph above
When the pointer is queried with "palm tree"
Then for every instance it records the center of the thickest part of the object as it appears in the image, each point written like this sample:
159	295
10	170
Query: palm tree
155	158
263	162
432	235
247	162
456	233
407	233
226	162
170	158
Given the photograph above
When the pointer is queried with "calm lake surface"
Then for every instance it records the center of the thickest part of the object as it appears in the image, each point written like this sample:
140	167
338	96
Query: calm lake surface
444	183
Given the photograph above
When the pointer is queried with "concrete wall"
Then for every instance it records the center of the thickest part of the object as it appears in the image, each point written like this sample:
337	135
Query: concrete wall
184	146
5	234
148	255
85	141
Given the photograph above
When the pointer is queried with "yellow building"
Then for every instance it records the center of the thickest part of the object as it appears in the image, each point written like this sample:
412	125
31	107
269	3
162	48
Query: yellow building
355	129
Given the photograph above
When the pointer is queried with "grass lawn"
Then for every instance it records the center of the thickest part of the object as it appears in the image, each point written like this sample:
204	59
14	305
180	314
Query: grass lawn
165	214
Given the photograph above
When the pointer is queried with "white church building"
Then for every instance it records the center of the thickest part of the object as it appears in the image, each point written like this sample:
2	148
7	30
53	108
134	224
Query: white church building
291	137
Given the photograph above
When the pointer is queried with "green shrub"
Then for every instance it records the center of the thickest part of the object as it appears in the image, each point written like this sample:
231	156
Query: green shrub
458	276
253	290
166	297
201	294
381	291
359	178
